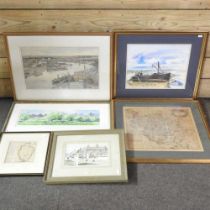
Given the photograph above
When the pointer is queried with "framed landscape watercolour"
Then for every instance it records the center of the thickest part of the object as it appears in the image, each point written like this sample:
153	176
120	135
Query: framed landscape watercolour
60	67
23	153
27	117
86	157
158	64
163	131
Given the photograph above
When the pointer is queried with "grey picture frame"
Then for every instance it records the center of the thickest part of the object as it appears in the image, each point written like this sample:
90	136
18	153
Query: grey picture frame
49	179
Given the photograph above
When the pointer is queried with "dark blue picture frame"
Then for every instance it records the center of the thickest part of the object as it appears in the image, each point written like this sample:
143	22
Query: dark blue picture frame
198	43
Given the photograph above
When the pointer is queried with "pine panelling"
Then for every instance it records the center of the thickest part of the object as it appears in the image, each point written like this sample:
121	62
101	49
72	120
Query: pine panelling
105	4
4	68
206	69
103	20
5	88
204	88
3	52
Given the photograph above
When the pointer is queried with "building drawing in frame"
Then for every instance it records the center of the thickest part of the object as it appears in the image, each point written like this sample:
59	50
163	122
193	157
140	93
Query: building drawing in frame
60	67
157	66
158	129
87	154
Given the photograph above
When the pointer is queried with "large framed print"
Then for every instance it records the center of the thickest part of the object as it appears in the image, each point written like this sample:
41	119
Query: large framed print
86	157
27	117
158	64
23	153
163	131
60	67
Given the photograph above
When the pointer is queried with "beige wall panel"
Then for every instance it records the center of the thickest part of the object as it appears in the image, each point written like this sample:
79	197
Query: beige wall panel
206	69
5	88
204	88
4	68
3	52
103	20
105	4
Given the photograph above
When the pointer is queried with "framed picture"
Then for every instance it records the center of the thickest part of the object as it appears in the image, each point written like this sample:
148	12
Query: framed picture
23	153
158	64
163	131
85	157
27	117
60	67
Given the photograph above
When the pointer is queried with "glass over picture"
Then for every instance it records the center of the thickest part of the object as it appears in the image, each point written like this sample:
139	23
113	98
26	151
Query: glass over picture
73	117
157	66
60	67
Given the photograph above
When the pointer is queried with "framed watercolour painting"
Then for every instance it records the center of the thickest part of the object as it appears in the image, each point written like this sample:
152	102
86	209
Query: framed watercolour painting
163	131
158	64
27	117
23	153
60	67
86	157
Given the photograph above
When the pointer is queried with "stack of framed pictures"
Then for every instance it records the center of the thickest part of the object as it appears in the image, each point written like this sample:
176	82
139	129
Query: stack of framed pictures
61	82
155	87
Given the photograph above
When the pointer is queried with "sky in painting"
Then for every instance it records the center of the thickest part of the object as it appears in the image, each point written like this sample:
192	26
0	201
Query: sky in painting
170	56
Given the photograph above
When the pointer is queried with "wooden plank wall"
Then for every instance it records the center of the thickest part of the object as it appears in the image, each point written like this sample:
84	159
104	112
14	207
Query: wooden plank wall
102	15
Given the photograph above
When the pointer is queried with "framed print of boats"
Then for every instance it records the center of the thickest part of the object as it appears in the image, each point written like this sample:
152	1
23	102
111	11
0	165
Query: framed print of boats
162	65
58	117
86	157
23	153
163	131
60	67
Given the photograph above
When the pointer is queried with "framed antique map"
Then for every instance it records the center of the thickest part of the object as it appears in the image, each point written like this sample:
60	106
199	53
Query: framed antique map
87	156
23	153
60	67
158	64
163	131
27	117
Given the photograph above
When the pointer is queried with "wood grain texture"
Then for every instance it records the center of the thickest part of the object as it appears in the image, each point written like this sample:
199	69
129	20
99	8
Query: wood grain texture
204	88
5	88
3	52
105	4
4	68
206	69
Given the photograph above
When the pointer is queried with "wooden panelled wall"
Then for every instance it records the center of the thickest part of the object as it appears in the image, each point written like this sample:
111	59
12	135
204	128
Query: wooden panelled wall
99	16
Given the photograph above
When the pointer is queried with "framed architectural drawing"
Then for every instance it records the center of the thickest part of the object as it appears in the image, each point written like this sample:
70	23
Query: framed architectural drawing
27	117
158	64
163	131
23	153
60	67
85	157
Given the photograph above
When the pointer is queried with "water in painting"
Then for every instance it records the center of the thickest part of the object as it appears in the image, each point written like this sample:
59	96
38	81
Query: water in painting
60	67
157	66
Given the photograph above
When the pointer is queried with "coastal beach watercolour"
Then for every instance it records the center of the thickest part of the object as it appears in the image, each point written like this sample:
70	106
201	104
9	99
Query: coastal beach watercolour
157	66
60	67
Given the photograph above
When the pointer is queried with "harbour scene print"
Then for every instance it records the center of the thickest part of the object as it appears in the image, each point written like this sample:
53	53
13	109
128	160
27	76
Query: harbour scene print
60	67
157	66
73	117
87	154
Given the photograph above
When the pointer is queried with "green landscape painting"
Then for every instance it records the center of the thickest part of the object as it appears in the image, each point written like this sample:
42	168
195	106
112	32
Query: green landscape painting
76	117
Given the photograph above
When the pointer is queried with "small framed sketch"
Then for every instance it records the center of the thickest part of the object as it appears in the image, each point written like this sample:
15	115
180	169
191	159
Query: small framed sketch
158	64
60	67
58	117
87	157
163	131
23	153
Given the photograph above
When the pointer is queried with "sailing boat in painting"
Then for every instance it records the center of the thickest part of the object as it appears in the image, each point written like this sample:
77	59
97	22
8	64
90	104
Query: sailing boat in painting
156	66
